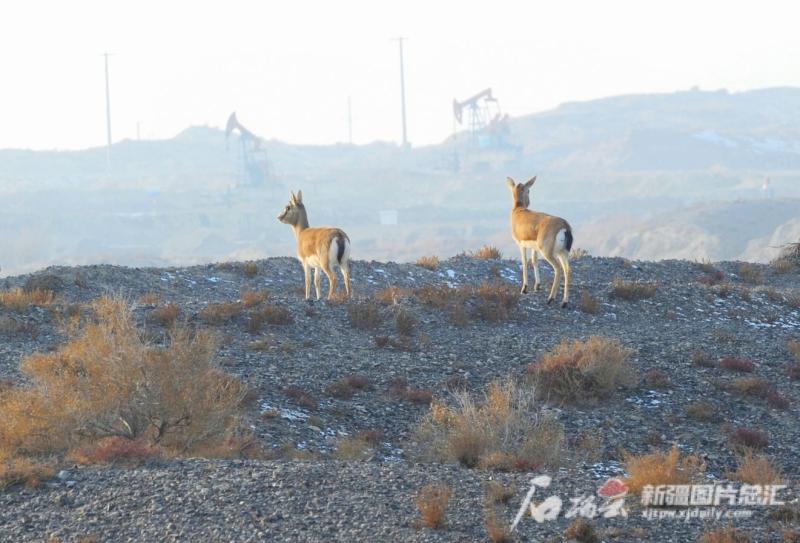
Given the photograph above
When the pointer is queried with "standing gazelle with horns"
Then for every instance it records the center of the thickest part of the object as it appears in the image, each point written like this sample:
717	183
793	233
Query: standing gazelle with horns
541	233
319	248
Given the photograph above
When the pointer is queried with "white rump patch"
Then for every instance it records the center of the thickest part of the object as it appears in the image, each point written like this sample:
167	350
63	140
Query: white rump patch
561	239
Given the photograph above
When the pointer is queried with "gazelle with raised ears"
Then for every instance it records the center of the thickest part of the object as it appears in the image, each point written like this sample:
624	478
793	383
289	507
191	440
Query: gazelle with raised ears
543	234
319	248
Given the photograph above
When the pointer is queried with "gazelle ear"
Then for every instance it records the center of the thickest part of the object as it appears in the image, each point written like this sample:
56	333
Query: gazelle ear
292	199
510	183
299	197
530	182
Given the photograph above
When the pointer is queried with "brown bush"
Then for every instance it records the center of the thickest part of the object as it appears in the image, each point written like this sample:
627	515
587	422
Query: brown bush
20	299
23	471
115	449
752	386
252	298
404	322
581	531
271	314
701	411
399	388
488	252
632	290
724	535
793	346
497	492
496	301
736	363
432	503
373	437
661	469
428	262
149	298
250	269
656	378
391	295
165	315
108	381
581	371
220	313
756	470
774	399
354	449
750	273
712	278
793	371
300	397
504	430
439	297
782	265
702	359
589	304
496	528
364	315
750	438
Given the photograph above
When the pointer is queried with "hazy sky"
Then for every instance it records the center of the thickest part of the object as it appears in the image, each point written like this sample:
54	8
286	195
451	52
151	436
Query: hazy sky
287	67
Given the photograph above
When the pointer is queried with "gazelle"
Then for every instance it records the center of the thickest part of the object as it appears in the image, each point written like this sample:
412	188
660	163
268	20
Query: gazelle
541	233
319	248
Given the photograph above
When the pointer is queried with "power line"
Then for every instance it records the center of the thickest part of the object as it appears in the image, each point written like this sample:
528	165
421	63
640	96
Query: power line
402	91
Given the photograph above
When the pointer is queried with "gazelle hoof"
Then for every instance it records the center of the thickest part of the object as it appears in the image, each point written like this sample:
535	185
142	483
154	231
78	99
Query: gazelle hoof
537	288
549	301
524	289
563	305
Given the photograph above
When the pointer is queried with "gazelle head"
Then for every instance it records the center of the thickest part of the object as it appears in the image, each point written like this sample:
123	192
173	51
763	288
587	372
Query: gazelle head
294	210
520	191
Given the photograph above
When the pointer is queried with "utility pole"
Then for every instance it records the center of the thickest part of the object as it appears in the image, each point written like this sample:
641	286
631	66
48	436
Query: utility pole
108	118
349	121
402	91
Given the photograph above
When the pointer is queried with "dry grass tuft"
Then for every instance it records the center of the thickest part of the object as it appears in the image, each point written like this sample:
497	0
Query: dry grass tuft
496	301
250	269
504	430
793	346
364	315
724	535
428	262
108	381
354	449
391	295
115	449
166	315
20	299
756	470
23	471
581	531
399	388
220	313
750	273
497	492
749	438
496	529
345	388
661	469
300	397
632	290
736	363
488	252
752	386
701	358
701	412
404	322
656	378
577	253
252	298
149	298
589	304
712	278
580	371
432	503
270	314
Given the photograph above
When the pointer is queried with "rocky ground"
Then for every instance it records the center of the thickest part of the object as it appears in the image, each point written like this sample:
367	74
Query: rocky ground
309	495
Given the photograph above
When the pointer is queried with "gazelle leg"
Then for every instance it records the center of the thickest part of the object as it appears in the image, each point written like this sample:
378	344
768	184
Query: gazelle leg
564	261
524	258
535	261
317	277
556	277
331	282
346	276
307	274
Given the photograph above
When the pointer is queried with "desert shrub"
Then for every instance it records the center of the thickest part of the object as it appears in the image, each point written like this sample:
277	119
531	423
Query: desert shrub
793	371
220	313
404	322
736	363
488	252
252	298
364	315
774	399
428	262
752	386
661	469
582	531
19	299
496	528
432	503
750	438
656	378
149	298
755	470
439	297
782	265
399	388
23	471
701	411
724	535
391	295
702	359
250	269
497	492
345	388
632	290
589	304
115	449
750	273
354	449
712	278
792	298
503	430
270	314
166	315
108	381
793	346
579	371
300	397
577	253
495	301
